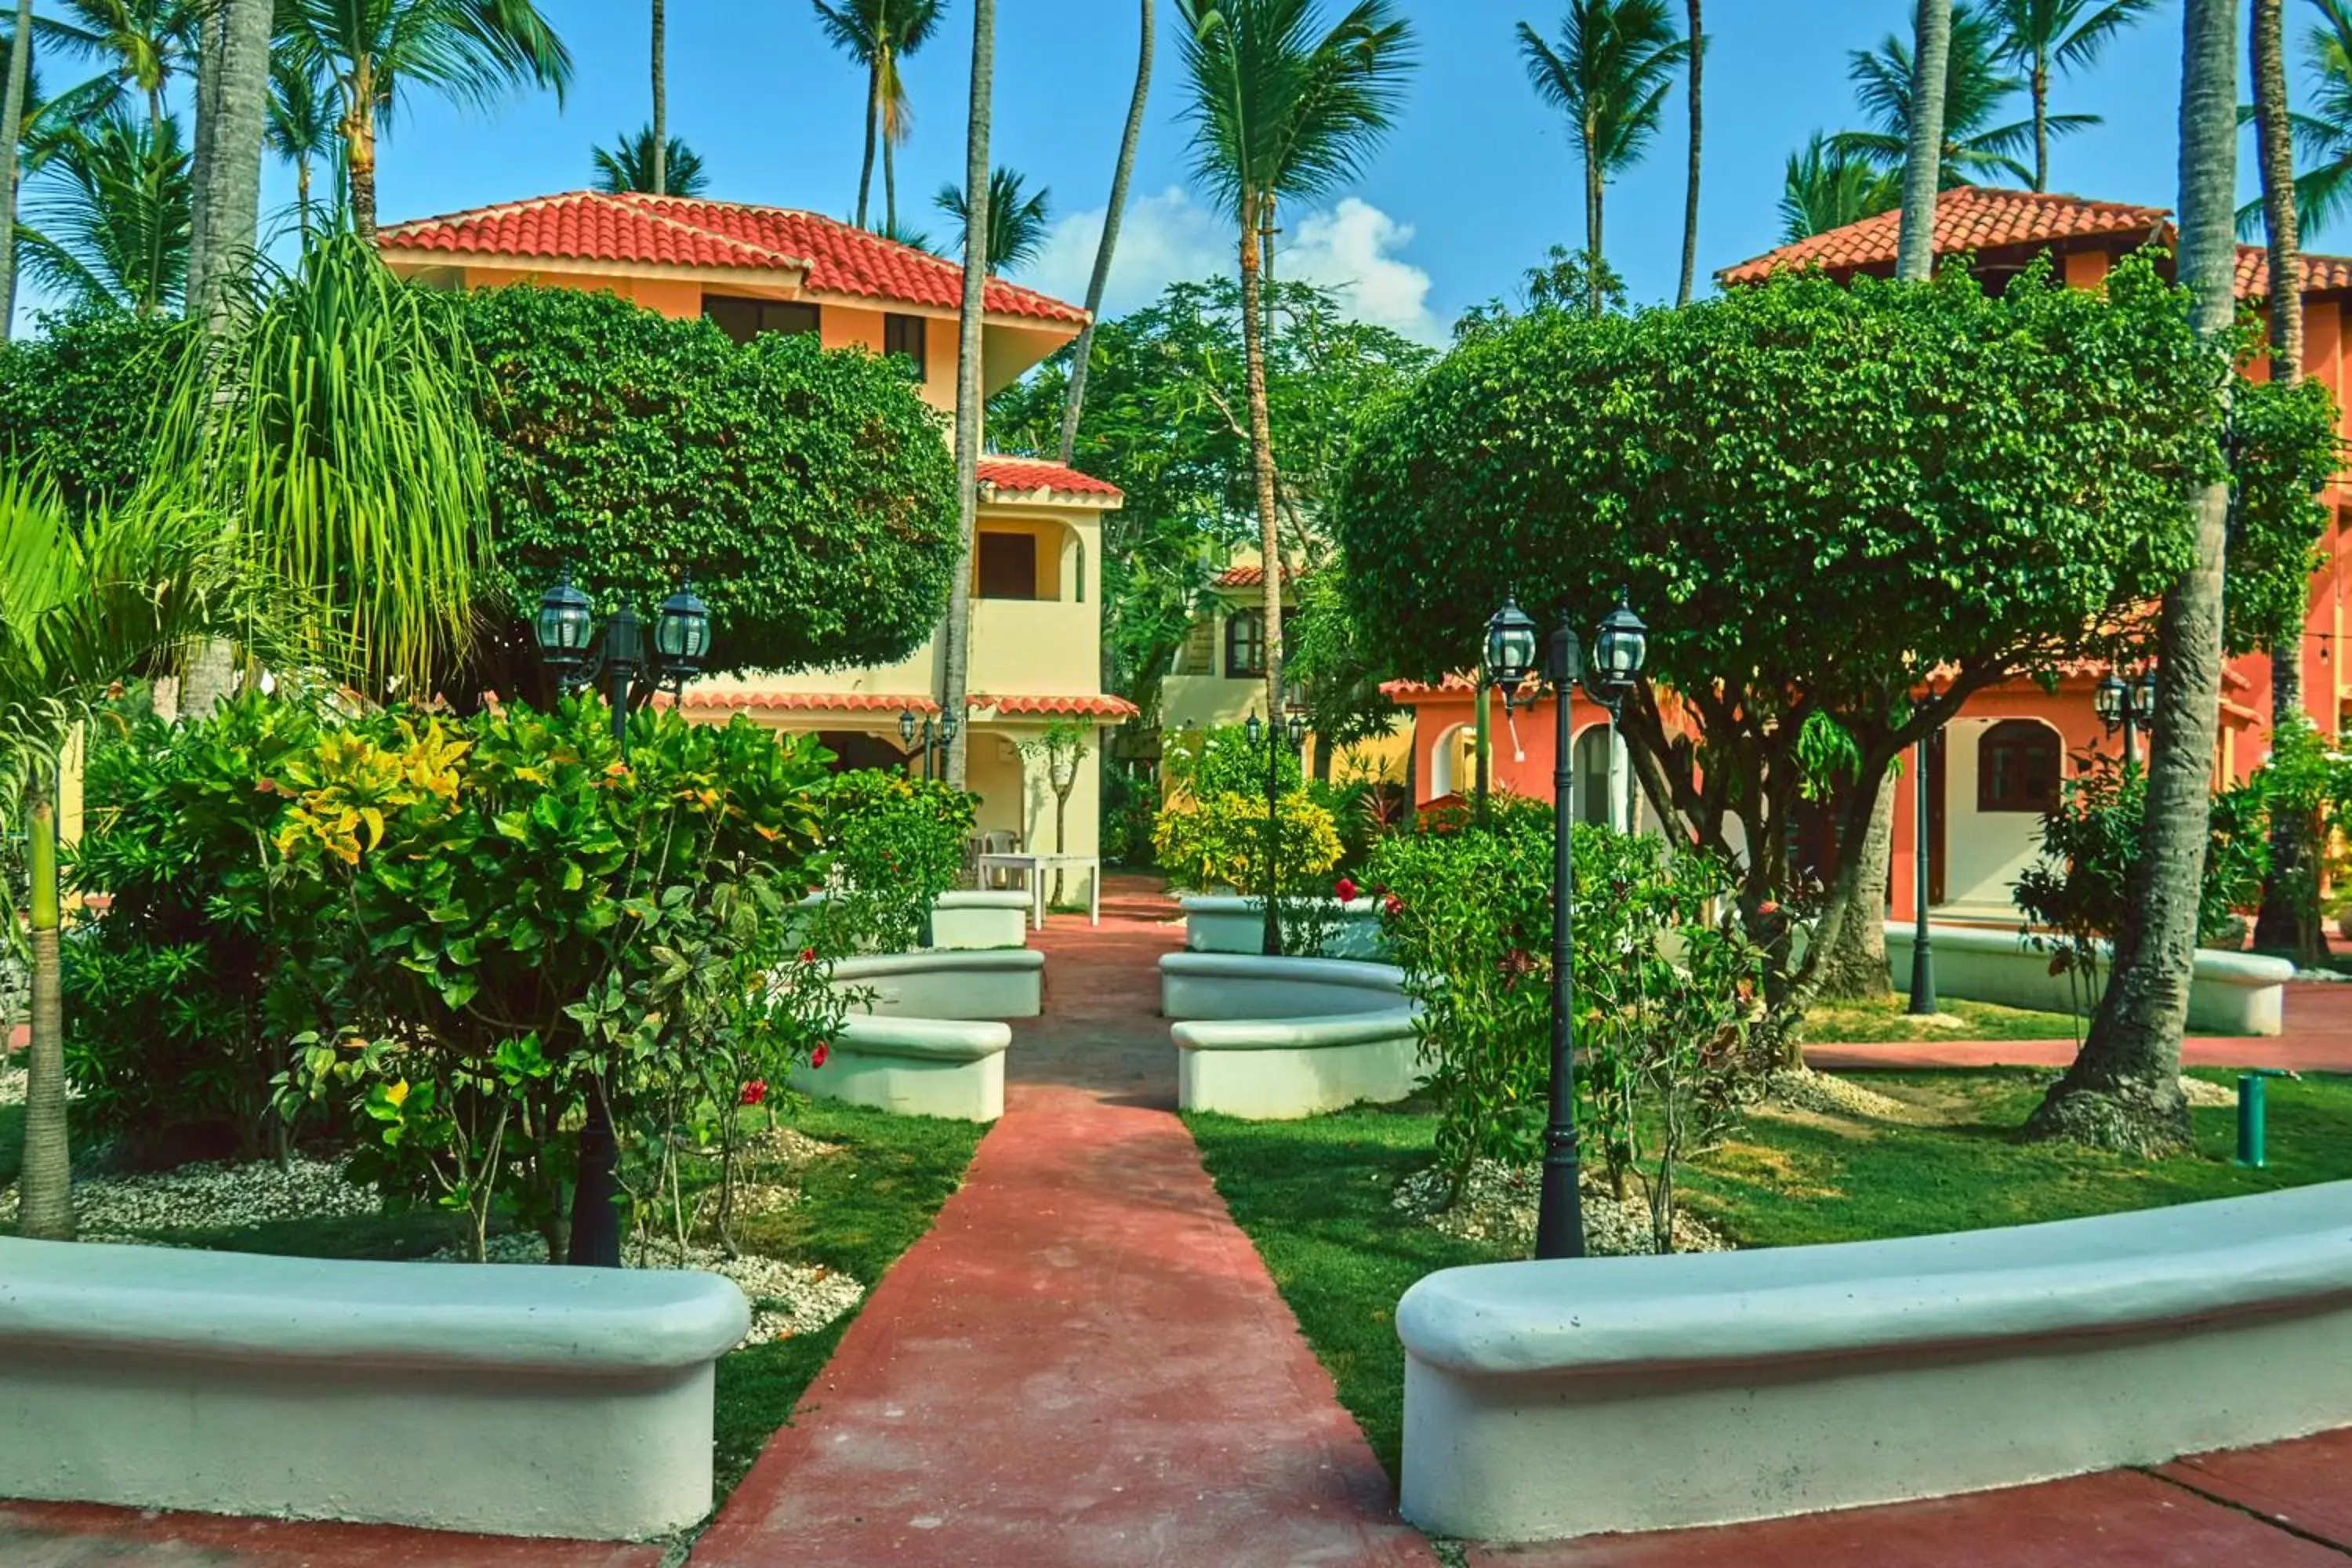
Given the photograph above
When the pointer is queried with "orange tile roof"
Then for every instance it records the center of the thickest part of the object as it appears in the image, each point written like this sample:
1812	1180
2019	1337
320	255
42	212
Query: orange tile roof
683	231
1247	577
1968	218
1095	707
748	698
2321	274
1023	474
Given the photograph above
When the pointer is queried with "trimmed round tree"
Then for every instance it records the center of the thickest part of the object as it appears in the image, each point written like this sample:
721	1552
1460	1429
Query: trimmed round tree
811	492
1842	509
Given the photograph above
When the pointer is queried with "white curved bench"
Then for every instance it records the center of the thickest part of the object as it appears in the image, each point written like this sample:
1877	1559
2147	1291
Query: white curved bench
1545	1400
916	1067
510	1399
967	919
1225	922
1276	1039
999	983
2230	994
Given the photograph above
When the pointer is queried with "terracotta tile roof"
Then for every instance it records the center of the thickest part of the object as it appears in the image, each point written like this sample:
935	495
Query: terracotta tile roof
1968	217
1247	577
751	698
1022	474
681	231
2321	274
1096	707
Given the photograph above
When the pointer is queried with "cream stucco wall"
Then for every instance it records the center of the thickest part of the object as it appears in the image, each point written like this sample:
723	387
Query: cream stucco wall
1984	851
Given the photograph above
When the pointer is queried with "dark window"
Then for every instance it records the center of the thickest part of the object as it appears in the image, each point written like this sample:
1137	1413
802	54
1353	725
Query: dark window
1245	644
904	335
1592	802
1008	565
743	320
2018	763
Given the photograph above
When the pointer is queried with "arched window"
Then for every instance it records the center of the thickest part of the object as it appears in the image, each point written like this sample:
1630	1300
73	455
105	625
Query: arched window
1245	644
2017	767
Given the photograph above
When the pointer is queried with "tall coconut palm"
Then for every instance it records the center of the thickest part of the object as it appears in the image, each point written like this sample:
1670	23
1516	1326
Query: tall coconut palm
1937	30
301	129
107	222
1121	172
1283	108
2322	133
1016	220
16	87
2123	1089
143	45
2041	36
1697	36
1822	189
472	52
231	112
879	35
1609	76
657	135
1976	145
630	164
955	674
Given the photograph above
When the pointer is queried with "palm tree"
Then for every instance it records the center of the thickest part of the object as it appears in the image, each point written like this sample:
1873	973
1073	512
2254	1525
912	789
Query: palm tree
2041	36
1936	27
955	640
1609	76
631	164
301	128
232	104
1824	189
1975	89
15	86
1282	108
143	43
108	222
2322	133
879	35
470	51
657	134
1121	172
1016	220
2123	1089
1690	188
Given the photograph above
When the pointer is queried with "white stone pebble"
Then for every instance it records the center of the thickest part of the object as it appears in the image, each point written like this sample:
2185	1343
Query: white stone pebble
1497	1205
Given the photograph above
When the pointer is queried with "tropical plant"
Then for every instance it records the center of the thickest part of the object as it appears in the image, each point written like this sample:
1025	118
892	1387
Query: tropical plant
142	44
879	35
1060	749
630	164
2123	1089
892	845
1283	109
1976	90
955	634
303	130
2041	36
2322	134
1074	395
108	221
80	400
1017	220
1609	77
376	52
1824	188
16	89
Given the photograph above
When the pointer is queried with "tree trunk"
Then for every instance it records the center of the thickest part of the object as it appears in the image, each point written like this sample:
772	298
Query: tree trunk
2123	1089
661	102
1690	186
1854	965
45	1184
2282	922
1261	434
1074	403
1916	252
873	119
890	195
12	130
228	184
956	635
359	148
1591	226
2040	122
212	28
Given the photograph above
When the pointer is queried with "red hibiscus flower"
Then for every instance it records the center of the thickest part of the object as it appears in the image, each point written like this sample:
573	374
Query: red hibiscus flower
1395	906
817	1057
808	955
1346	889
755	1091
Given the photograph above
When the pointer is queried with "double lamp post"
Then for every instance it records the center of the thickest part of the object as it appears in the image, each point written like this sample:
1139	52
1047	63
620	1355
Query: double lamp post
564	629
2127	705
1619	647
1293	729
937	732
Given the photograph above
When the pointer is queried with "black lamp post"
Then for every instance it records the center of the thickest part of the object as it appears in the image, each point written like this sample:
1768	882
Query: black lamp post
1923	1004
1619	647
936	733
1294	729
2127	705
565	627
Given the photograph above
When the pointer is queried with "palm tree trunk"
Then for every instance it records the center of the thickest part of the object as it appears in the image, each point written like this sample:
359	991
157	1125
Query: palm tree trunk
302	198
1261	434
2282	922
1074	403
12	130
228	183
873	118
210	29
955	640
1591	225
1916	252
661	104
44	1186
890	192
2040	122
2123	1089
1690	186
359	148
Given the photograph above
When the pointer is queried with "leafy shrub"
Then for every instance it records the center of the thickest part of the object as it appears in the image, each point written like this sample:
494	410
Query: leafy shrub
894	845
80	398
1223	762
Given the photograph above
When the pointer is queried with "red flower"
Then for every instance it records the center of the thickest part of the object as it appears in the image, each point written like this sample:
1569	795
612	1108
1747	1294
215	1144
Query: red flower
817	1057
808	955
1769	907
1346	889
1395	906
755	1091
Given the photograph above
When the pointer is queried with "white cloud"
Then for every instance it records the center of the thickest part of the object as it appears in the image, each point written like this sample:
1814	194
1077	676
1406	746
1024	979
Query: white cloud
1169	237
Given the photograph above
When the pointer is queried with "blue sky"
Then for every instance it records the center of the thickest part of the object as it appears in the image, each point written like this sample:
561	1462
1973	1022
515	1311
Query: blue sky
1477	181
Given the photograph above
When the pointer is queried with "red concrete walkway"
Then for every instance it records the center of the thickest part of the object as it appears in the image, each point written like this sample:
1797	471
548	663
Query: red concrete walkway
1085	1362
2317	1039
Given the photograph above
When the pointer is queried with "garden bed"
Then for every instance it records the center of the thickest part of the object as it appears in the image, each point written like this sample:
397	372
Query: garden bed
1320	1197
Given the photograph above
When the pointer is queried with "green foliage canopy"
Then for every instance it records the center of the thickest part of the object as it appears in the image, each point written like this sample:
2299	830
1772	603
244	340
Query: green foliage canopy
79	398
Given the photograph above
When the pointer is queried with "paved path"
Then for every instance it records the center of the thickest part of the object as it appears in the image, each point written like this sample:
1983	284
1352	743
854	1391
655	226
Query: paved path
2317	1039
1085	1362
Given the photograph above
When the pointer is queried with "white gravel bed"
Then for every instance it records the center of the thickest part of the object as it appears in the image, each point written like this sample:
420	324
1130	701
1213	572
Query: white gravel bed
1499	1205
207	1197
12	1086
1806	1089
2204	1092
787	1298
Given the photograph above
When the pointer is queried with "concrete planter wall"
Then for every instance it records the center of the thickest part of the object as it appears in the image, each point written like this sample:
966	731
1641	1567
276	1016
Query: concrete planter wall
1276	1039
1220	922
994	984
2233	994
916	1067
970	919
1549	1400
447	1395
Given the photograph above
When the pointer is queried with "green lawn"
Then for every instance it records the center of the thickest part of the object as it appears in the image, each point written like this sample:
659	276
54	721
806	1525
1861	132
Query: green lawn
1315	1195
